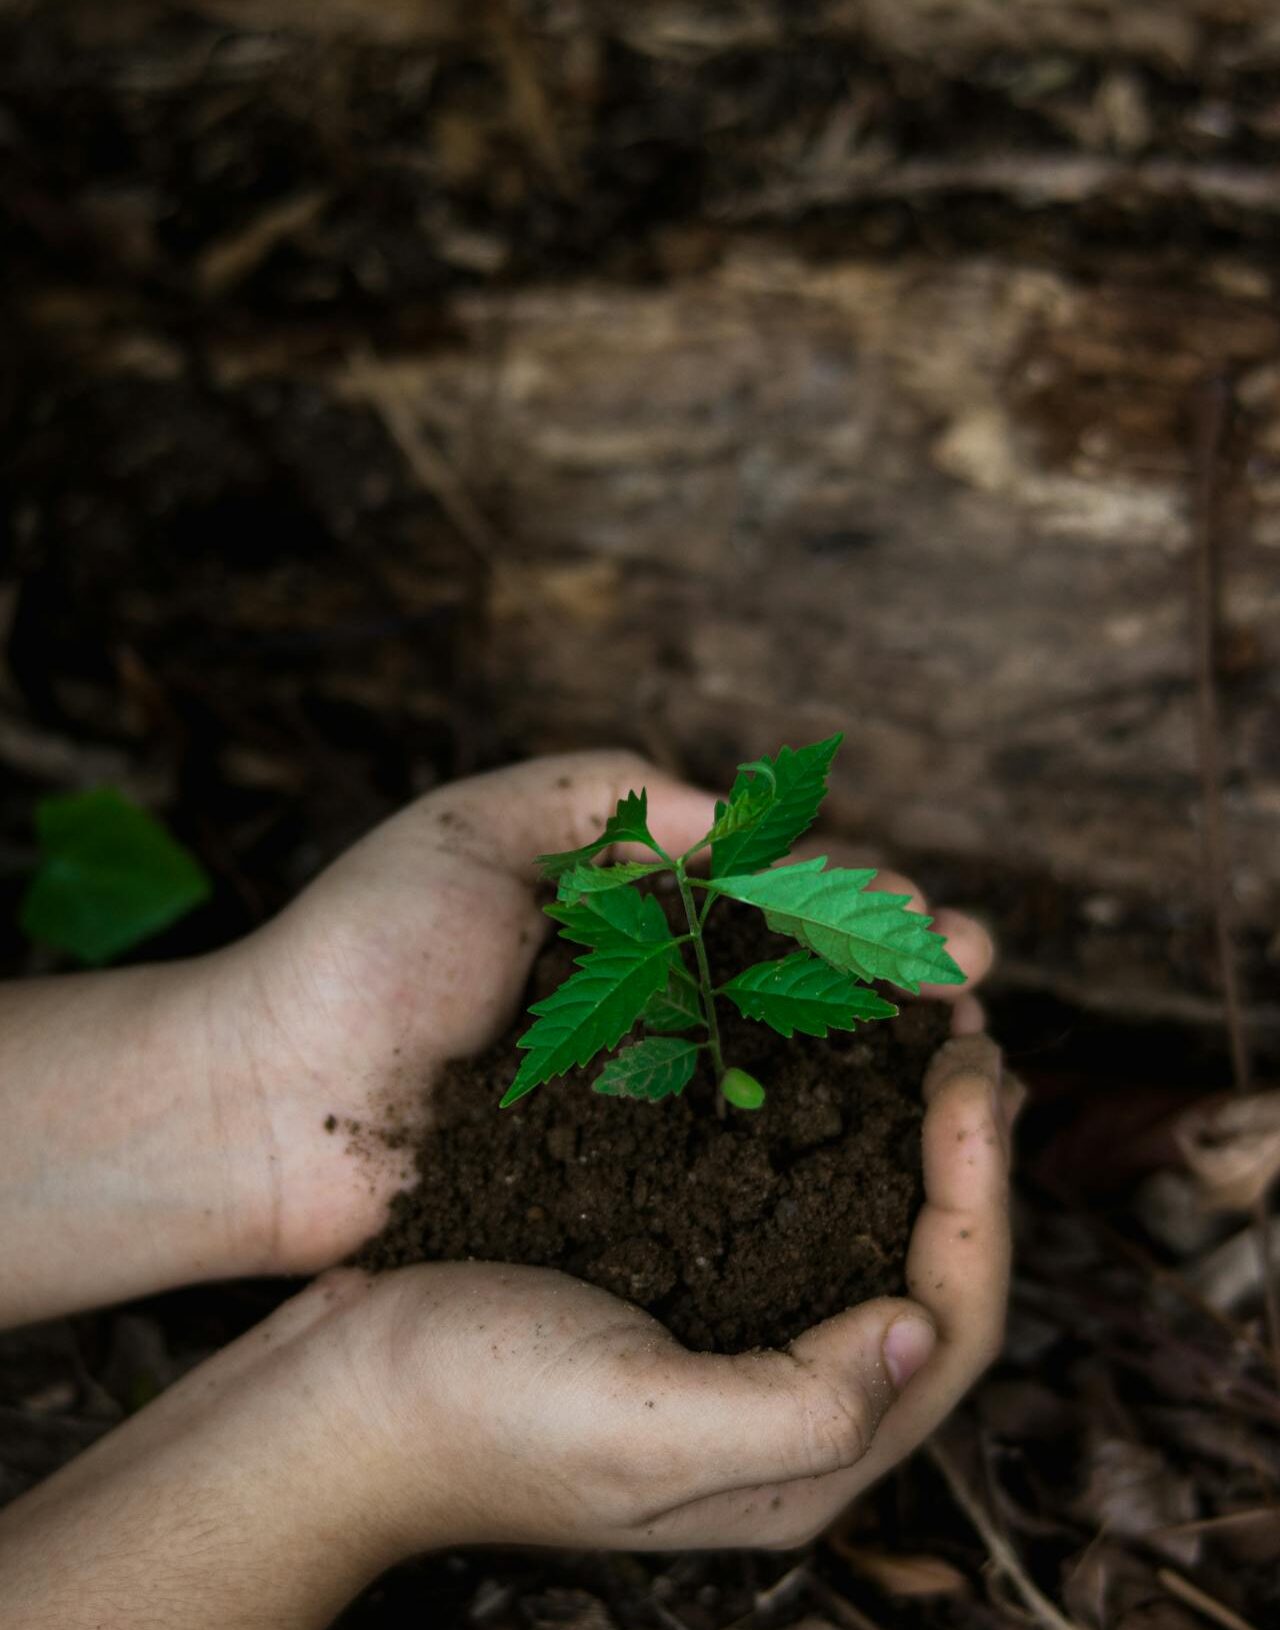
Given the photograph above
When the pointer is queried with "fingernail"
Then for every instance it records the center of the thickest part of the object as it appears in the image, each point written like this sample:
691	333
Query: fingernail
908	1343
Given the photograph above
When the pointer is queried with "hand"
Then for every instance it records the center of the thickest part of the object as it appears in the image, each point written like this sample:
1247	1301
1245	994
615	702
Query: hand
459	1403
549	1413
414	948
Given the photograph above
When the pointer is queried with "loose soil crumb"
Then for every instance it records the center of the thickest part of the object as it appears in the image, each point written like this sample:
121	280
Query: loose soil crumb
736	1233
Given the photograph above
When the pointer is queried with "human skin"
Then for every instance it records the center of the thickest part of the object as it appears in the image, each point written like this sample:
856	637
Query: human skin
166	1125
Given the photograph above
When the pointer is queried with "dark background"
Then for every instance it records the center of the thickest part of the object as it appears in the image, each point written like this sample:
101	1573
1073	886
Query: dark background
387	391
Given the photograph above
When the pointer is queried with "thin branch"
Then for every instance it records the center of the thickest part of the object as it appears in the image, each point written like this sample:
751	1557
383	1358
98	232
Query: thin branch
1003	1556
1193	1596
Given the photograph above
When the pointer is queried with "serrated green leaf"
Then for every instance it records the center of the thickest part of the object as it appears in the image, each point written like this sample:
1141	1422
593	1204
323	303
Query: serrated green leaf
653	1069
110	876
741	812
592	1010
627	824
798	786
801	992
743	1091
678	1007
619	917
832	914
588	879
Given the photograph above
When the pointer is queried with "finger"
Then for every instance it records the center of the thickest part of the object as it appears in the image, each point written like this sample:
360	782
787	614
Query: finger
957	1270
849	856
887	882
968	1017
725	1423
514	815
958	1262
970	946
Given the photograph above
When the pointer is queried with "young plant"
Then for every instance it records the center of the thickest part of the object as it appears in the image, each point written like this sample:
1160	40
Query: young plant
635	969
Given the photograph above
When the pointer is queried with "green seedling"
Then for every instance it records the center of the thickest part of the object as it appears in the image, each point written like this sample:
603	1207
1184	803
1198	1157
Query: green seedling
635	969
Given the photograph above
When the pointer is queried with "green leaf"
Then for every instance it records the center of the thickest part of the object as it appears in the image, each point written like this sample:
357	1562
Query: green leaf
620	917
585	878
832	914
758	830
656	1068
110	876
743	1091
592	1010
801	992
627	824
678	1007
741	812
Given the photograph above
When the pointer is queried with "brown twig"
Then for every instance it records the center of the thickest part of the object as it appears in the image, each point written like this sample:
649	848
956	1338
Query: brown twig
1212	404
1003	1556
1193	1596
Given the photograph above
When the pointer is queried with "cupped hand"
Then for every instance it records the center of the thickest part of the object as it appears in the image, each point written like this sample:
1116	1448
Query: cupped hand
413	949
551	1413
464	1403
457	1403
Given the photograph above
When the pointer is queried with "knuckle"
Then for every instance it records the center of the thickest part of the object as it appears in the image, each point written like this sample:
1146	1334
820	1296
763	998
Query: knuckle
618	764
836	1425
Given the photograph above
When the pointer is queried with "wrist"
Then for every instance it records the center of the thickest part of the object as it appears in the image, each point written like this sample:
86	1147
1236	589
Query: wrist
264	1452
411	1494
119	1130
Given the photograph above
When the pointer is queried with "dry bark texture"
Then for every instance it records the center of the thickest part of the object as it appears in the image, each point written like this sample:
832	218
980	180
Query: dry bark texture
703	375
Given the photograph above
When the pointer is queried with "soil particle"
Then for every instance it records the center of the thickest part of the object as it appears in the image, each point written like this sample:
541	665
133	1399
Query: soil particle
736	1234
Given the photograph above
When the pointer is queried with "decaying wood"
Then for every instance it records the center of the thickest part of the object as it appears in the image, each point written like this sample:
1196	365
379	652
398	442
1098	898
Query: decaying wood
776	455
943	509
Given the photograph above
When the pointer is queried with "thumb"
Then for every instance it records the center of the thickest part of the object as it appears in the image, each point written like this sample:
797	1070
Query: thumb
511	816
806	1412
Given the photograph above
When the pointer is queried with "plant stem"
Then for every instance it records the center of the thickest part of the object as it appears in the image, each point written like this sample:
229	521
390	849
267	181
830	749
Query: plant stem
704	981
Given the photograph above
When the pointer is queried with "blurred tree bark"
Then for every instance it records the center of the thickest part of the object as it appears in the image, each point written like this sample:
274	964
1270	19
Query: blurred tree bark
772	368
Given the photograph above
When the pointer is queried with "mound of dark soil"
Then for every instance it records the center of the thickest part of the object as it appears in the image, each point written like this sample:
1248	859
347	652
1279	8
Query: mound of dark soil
735	1233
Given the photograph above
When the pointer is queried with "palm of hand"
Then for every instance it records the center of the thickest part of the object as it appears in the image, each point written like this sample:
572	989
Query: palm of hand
403	955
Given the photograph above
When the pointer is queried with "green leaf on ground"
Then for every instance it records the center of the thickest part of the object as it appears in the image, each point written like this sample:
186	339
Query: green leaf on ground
801	992
743	1091
627	824
773	802
110	876
656	1068
678	1007
585	878
858	931
593	1009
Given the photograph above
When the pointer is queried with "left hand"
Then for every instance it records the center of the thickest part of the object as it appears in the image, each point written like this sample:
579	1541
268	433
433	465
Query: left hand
413	949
